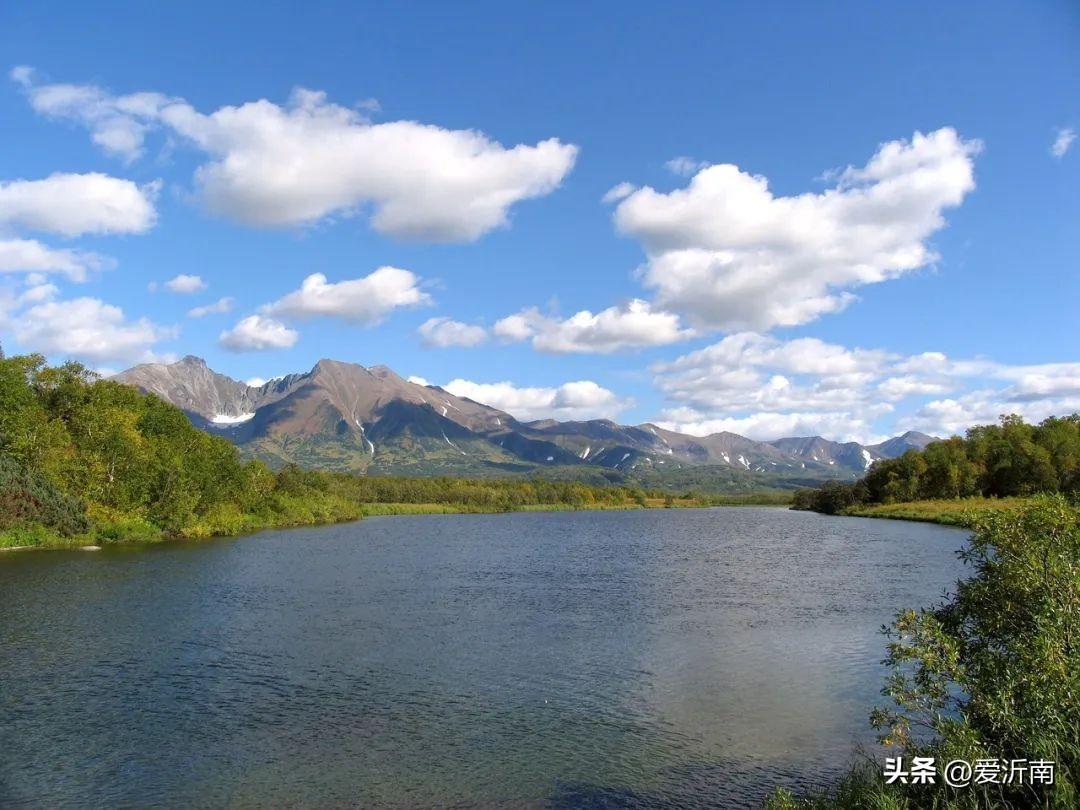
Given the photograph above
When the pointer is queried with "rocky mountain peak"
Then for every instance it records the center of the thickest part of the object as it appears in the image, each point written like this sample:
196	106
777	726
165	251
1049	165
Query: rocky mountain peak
346	416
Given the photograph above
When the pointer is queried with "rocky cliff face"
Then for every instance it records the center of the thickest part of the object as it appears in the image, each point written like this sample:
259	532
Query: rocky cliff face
192	386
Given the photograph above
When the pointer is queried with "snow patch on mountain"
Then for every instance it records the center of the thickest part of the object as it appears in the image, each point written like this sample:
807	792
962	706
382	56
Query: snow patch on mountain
228	420
454	445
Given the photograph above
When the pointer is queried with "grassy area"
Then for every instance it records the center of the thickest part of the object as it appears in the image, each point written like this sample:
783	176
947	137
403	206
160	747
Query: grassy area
953	512
111	527
126	529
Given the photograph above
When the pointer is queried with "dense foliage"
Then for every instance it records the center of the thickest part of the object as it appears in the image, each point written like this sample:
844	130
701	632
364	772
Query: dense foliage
94	460
1009	459
993	674
27	499
83	456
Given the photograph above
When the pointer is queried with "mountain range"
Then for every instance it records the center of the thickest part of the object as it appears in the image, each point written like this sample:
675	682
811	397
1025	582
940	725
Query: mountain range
348	417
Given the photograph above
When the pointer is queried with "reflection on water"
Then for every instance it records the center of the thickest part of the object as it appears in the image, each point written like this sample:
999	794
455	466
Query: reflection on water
607	659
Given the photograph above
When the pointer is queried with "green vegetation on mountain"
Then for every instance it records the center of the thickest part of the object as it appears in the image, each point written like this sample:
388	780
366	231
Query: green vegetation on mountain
85	461
991	462
993	674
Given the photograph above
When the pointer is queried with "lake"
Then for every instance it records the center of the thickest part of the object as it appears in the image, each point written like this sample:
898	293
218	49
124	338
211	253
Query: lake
695	657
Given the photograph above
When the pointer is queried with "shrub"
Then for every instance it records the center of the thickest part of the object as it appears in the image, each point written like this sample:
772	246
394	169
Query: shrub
27	498
992	674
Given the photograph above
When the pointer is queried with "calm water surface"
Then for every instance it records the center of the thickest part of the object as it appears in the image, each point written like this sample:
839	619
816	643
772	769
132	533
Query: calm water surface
597	659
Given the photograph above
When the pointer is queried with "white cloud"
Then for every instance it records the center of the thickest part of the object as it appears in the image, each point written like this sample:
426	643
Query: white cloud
68	205
78	204
259	382
582	399
271	165
257	333
219	307
895	388
802	355
418	380
88	329
117	124
766	426
954	415
751	373
366	300
1062	142
444	332
684	166
633	325
765	387
38	291
729	254
619	192
515	328
31	256
185	284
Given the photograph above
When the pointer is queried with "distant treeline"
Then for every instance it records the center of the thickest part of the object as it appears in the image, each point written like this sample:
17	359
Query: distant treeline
96	461
1008	459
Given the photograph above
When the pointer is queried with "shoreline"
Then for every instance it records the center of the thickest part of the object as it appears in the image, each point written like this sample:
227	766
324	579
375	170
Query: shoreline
93	542
962	513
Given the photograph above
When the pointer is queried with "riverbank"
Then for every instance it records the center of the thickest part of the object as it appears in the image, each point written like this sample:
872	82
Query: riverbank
964	512
134	531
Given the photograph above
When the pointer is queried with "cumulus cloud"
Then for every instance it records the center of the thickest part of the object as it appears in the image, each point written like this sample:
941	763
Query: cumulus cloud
729	254
1062	142
582	399
273	165
117	124
77	204
684	166
752	372
765	387
68	205
31	256
257	333
766	426
88	329
444	332
219	307
418	380
895	388
633	325
367	300
185	284
953	416
37	290
618	192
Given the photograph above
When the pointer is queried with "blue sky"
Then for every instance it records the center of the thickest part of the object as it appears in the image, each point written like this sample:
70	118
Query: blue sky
931	287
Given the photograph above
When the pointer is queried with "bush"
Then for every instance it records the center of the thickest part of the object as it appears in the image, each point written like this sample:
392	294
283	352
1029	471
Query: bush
28	498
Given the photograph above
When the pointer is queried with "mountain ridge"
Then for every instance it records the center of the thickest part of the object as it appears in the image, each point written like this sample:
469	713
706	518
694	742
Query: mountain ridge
349	417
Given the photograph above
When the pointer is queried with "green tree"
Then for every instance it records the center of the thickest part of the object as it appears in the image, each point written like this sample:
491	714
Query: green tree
949	473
